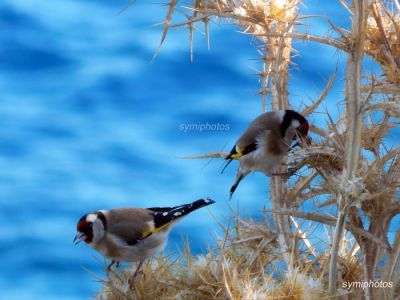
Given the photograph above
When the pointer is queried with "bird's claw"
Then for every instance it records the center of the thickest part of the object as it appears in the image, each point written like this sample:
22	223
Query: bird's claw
113	262
138	272
290	172
131	281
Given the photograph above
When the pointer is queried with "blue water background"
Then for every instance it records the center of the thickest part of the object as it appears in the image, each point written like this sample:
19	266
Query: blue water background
88	121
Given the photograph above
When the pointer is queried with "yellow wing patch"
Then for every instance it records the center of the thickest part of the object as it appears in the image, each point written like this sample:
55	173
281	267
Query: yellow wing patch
150	228
238	154
161	227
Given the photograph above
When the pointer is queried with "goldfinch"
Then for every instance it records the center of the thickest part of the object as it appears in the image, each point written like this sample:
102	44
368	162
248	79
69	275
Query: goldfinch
131	234
265	142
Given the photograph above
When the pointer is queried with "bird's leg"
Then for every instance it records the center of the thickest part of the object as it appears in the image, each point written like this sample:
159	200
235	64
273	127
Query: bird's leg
241	173
137	272
111	264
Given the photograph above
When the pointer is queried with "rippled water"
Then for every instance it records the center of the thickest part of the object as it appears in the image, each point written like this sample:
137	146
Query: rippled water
88	121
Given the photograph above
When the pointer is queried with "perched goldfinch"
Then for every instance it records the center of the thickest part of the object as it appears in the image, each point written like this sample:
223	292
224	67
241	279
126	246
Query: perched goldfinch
265	142
131	234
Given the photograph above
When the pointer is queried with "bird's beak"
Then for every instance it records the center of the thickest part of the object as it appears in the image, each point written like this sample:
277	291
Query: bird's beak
297	144
79	238
302	140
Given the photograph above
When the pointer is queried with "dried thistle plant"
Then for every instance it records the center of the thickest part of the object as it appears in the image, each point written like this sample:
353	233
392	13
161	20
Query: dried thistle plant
346	170
235	270
383	39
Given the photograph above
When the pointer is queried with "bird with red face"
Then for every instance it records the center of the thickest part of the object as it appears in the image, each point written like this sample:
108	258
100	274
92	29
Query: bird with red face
266	141
131	234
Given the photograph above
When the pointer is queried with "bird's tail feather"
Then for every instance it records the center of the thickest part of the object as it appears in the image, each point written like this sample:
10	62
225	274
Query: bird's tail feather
165	215
229	160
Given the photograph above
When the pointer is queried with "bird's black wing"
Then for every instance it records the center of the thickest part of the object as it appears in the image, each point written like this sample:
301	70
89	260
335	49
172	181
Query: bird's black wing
164	216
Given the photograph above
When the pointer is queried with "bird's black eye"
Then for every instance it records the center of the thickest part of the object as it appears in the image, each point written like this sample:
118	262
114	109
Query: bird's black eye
90	225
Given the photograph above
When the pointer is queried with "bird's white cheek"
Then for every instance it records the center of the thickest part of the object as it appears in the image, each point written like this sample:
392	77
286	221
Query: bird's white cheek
290	134
295	124
98	233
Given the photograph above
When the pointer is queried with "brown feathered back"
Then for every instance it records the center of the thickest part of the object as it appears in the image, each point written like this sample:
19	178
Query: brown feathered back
129	224
267	121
